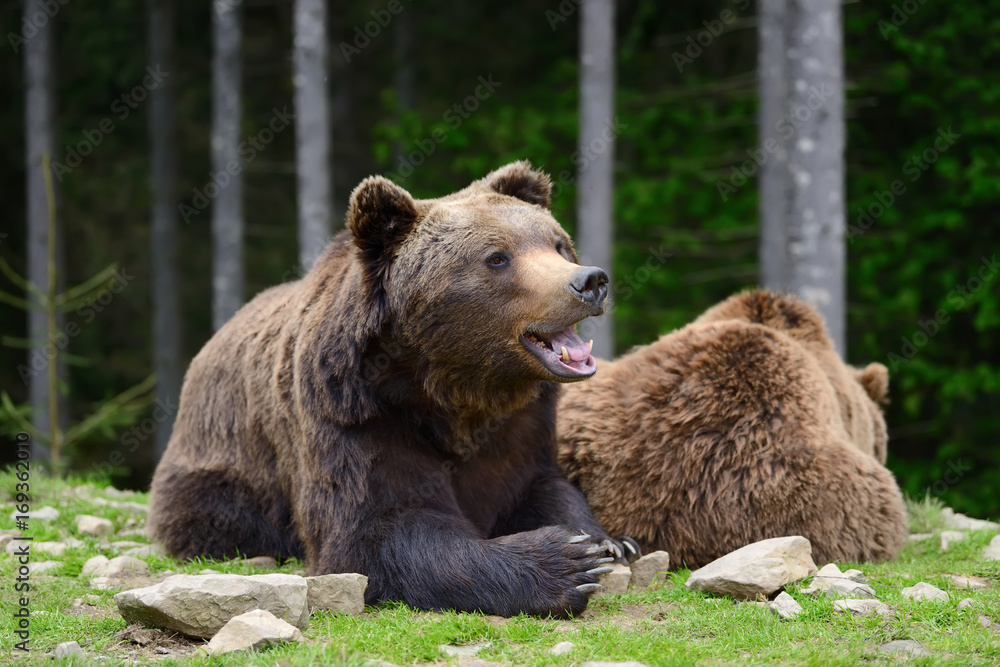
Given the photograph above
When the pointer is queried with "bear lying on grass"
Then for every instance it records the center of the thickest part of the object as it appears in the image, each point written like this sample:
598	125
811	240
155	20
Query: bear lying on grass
392	413
741	426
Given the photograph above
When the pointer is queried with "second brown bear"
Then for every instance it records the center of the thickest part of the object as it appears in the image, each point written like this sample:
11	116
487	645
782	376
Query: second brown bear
741	426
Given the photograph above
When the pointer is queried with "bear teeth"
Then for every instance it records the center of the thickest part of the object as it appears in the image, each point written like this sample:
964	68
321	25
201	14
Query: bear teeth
564	355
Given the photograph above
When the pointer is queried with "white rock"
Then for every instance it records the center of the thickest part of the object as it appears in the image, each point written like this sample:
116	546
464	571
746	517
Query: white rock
146	551
102	583
466	650
984	620
924	591
122	505
856	575
562	648
93	525
41	514
965	604
845	588
756	569
785	606
862	607
962	581
823	579
7	536
992	550
252	630
616	581
67	649
949	537
261	562
100	566
337	592
649	569
958	521
919	537
199	605
908	647
44	566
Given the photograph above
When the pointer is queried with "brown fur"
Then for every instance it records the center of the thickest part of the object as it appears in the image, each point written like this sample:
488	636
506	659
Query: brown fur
744	425
381	415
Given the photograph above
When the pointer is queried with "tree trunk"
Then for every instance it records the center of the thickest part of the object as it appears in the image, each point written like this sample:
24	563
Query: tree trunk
227	208
312	126
164	237
39	112
595	179
815	248
772	91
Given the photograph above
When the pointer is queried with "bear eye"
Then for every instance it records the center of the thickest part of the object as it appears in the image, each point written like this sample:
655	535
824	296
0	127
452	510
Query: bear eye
498	259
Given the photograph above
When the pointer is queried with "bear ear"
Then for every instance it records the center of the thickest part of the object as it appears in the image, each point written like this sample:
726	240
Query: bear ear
521	181
380	216
875	379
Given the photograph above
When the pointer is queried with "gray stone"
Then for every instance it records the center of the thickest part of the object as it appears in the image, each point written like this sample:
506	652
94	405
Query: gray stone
757	569
962	581
823	579
337	592
856	575
253	630
102	583
845	588
261	562
56	549
949	537
126	544
126	505
984	620
862	607
965	604
562	648
924	591
41	514
145	551
7	536
958	521
920	537
909	647
785	606
616	581
93	525
649	569
992	550
67	649
44	566
199	605
100	566
466	650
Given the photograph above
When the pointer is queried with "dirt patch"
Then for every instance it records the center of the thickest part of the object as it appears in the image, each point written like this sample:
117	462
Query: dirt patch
142	644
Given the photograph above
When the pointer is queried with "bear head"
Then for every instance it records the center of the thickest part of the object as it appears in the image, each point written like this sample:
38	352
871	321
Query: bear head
481	289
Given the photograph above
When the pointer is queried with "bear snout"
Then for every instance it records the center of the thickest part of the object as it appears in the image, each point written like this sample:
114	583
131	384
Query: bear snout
590	284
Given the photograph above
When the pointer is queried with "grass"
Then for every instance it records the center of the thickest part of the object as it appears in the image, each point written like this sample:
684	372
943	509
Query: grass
665	626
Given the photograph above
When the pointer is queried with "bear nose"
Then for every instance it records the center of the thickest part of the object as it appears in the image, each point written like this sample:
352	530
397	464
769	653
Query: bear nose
590	284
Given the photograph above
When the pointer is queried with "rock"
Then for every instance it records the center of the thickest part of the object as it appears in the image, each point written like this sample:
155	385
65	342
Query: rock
992	550
56	549
756	569
468	649
146	551
962	581
958	521
41	514
984	620
100	566
67	649
118	493
920	537
856	575
823	579
616	581
122	505
7	536
199	605
44	566
102	583
924	591
909	647
650	568
337	592
630	663
252	630
965	604
93	525
785	606
845	588
949	537
208	570
562	648
261	562
126	544
862	607
91	599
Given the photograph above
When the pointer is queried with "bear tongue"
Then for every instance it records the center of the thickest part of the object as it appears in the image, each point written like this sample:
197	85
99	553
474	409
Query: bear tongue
575	347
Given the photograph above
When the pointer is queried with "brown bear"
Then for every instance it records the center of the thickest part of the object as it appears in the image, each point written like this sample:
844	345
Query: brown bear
392	413
741	426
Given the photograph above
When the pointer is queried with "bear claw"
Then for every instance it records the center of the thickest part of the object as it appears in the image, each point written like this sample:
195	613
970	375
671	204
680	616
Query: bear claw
588	588
600	570
578	538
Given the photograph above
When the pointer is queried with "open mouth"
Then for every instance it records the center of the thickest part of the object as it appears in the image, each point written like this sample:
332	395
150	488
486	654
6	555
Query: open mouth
563	353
